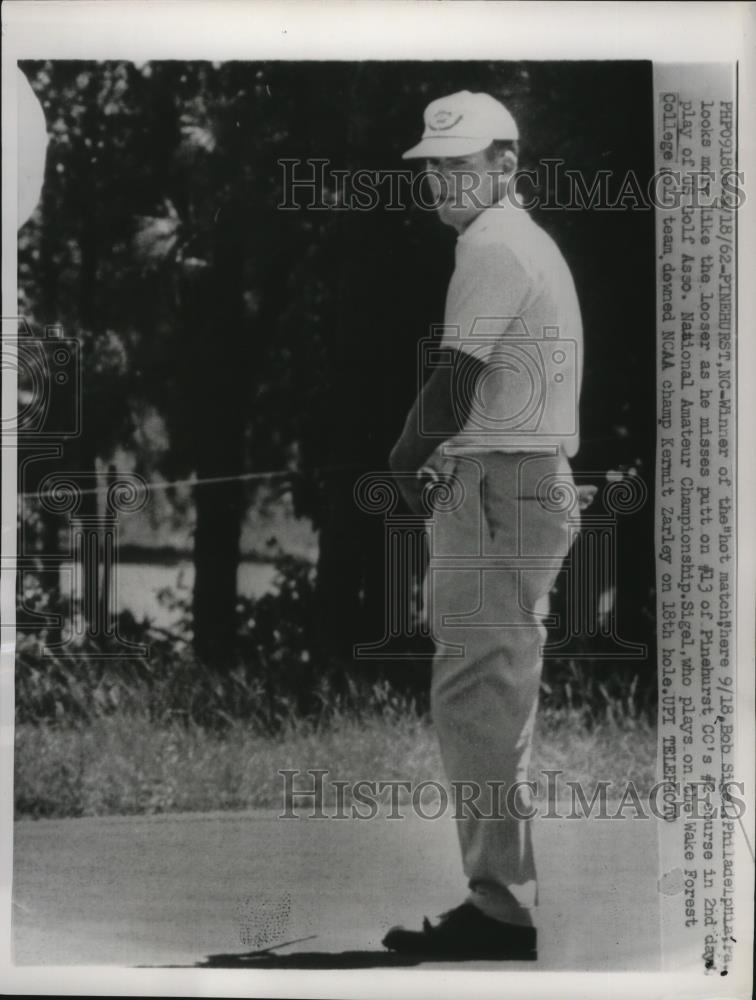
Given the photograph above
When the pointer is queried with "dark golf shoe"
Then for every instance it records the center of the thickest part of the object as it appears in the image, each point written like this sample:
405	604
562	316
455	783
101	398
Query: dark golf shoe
465	933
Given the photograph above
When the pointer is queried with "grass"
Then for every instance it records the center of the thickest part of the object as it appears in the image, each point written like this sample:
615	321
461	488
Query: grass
99	733
123	763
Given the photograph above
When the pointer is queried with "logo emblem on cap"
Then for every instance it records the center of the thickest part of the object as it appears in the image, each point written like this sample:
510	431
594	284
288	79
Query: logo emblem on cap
443	120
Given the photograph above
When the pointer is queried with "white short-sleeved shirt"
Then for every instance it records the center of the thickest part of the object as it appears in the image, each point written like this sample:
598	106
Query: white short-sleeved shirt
512	304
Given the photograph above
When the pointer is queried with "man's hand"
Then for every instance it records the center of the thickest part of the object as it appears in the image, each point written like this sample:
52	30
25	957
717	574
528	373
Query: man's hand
443	416
411	482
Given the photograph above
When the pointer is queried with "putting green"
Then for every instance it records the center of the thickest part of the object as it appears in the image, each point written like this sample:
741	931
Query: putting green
182	888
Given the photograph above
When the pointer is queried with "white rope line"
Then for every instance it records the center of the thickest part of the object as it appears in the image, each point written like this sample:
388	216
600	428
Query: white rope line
159	484
167	484
164	485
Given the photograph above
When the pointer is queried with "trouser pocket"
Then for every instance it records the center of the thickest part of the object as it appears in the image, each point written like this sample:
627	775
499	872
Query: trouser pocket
521	501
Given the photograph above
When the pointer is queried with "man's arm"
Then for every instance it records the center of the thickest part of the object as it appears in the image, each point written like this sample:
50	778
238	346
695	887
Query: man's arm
444	410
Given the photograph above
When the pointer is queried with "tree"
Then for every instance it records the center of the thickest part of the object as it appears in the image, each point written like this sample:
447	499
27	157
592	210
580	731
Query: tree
268	338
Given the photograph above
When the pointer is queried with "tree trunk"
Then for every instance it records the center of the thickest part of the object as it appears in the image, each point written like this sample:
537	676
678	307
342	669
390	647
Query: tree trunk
87	451
340	572
219	345
51	523
216	560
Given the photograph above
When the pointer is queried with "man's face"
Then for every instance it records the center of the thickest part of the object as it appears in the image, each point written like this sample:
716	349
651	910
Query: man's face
464	186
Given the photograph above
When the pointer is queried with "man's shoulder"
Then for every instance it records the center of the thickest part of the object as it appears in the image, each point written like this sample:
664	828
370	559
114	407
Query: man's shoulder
509	233
510	241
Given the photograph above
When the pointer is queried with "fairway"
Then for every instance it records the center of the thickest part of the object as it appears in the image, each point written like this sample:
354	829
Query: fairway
249	889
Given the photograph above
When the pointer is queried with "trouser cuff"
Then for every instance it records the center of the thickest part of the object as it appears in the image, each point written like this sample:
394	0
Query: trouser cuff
511	905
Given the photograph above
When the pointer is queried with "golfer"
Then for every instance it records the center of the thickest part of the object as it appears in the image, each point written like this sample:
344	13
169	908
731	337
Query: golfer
498	419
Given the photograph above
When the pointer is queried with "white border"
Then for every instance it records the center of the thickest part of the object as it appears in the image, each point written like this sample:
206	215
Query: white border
392	29
372	29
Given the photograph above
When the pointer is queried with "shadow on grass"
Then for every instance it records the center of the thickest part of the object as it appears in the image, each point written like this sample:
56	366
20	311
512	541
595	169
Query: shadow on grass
309	960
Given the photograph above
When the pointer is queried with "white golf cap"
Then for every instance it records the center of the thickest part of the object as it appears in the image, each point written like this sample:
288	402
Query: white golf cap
462	123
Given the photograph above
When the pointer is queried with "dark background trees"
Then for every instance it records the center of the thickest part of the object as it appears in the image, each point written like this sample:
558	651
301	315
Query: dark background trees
270	339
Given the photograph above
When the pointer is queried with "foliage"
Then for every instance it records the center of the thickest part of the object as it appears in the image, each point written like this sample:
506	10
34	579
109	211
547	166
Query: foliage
126	763
263	339
280	674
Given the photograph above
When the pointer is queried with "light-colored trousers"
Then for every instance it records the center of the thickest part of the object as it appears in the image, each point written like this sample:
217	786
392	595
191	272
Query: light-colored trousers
493	560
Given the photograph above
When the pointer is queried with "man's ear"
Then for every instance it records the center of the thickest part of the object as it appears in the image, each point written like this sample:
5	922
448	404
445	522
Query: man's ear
509	162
